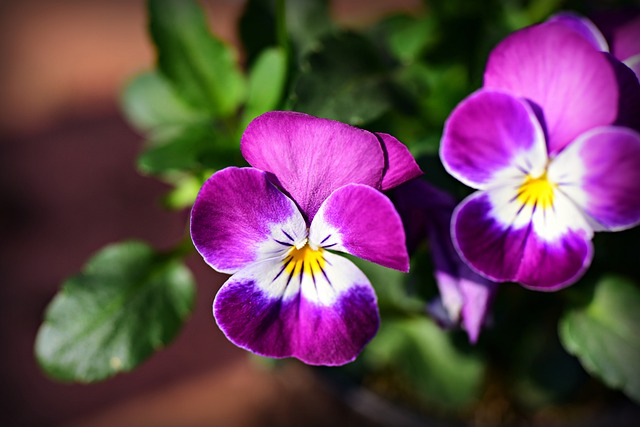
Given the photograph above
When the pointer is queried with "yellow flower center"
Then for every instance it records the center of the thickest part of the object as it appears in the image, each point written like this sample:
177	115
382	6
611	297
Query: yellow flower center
537	191
304	261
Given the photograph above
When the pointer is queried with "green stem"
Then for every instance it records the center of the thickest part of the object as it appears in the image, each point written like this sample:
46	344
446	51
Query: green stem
281	27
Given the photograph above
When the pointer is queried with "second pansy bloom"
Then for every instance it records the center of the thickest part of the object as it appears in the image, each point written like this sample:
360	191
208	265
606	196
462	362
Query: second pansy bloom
313	189
538	144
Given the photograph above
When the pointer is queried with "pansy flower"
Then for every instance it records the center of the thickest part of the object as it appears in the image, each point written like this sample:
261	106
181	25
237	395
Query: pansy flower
537	143
313	190
465	296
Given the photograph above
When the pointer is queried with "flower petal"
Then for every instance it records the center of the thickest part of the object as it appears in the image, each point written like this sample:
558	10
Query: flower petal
309	157
239	217
543	249
557	69
490	136
401	166
321	319
478	294
363	222
600	172
582	26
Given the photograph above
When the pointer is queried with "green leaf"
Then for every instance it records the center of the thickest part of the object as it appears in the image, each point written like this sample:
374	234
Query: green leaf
604	334
150	102
203	69
427	361
266	83
127	303
343	80
190	149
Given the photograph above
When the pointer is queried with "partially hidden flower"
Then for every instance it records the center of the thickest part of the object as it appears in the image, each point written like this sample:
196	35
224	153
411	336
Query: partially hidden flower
313	189
618	36
538	144
465	296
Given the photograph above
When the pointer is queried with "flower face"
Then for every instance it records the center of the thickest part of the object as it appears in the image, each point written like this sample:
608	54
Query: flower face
313	190
537	143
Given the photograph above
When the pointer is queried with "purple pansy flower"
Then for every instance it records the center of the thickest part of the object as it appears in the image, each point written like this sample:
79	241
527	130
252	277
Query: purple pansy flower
465	296
538	144
313	189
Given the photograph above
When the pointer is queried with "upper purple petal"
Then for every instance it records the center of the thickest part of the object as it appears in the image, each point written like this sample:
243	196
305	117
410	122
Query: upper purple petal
239	217
401	166
583	26
573	84
363	222
322	321
310	157
600	172
490	134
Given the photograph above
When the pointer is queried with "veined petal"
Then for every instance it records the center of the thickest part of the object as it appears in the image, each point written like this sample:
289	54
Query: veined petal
363	222
239	218
492	136
573	84
582	26
600	172
321	318
400	164
505	240
309	157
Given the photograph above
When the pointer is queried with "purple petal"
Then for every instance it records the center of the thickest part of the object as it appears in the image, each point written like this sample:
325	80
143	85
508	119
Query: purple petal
546	249
464	295
601	173
363	222
478	294
325	319
419	204
629	102
582	26
622	29
310	157
239	217
557	69
401	166
490	135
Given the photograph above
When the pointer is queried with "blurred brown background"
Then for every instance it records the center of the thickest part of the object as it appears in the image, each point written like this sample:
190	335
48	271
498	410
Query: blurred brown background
68	186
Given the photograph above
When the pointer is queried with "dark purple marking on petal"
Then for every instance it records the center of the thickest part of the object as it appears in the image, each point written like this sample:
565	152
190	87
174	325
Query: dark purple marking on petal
317	335
519	255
